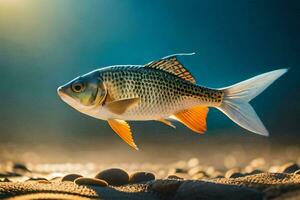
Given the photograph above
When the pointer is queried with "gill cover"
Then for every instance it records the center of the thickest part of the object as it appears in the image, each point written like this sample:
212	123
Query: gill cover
84	91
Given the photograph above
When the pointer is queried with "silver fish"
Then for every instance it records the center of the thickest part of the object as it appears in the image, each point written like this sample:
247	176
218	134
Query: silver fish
162	90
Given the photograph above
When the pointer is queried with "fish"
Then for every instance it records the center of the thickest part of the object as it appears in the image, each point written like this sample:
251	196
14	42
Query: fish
162	90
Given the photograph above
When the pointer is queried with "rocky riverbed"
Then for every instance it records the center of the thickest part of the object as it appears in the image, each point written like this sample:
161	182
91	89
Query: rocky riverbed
185	179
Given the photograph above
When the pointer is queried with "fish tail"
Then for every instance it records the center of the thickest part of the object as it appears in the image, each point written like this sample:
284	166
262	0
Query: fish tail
237	97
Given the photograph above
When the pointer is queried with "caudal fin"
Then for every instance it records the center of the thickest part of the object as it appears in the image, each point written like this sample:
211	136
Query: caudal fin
236	101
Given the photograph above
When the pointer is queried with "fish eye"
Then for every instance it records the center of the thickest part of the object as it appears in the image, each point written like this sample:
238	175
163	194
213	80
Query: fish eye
78	87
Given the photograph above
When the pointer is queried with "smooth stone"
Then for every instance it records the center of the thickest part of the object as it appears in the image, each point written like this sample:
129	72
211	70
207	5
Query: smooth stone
174	177
37	179
55	179
10	174
256	171
90	182
70	177
182	175
297	172
249	169
4	180
236	175
200	175
258	163
217	174
193	162
194	190
141	177
114	176
20	167
195	170
274	169
229	172
289	168
210	170
233	173
177	170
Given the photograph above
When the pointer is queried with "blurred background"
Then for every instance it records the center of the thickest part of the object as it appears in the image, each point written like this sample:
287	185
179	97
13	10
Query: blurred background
45	43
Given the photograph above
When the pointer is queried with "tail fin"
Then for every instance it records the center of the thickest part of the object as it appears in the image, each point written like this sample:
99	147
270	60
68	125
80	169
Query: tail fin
236	101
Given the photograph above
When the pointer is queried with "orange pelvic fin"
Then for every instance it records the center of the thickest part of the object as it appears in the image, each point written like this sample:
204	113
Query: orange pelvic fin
123	130
194	118
167	122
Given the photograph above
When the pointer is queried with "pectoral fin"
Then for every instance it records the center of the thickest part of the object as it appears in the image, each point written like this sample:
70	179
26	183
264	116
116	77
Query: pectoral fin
120	106
194	118
123	130
167	122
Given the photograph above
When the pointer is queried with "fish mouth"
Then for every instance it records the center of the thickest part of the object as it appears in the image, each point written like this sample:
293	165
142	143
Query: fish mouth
70	101
60	93
66	98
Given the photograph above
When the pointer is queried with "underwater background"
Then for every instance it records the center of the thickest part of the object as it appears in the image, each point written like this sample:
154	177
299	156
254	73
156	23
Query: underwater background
45	43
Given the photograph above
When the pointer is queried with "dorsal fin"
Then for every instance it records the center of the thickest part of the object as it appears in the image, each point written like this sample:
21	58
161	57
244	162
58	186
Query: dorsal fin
172	65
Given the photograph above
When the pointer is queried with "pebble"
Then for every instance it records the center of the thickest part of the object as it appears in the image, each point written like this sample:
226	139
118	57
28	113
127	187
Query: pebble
177	170
174	177
114	176
233	173
141	177
289	168
210	171
70	177
200	175
217	174
4	180
193	162
249	169
9	174
37	179
195	170
55	179
274	169
297	172
90	182
180	164
236	175
256	171
258	163
20	167
182	175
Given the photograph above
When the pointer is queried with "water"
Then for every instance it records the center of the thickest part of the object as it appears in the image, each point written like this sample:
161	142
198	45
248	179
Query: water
46	43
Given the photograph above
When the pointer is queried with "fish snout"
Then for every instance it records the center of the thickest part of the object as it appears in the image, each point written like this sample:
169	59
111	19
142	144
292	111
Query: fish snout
61	91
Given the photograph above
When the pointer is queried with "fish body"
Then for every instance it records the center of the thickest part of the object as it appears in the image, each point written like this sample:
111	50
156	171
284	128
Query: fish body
160	93
162	90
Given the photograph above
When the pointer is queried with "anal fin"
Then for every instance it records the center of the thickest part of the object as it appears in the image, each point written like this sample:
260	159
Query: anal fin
194	118
166	122
122	128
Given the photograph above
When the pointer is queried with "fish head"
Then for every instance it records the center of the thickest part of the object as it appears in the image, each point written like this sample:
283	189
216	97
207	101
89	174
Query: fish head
84	92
